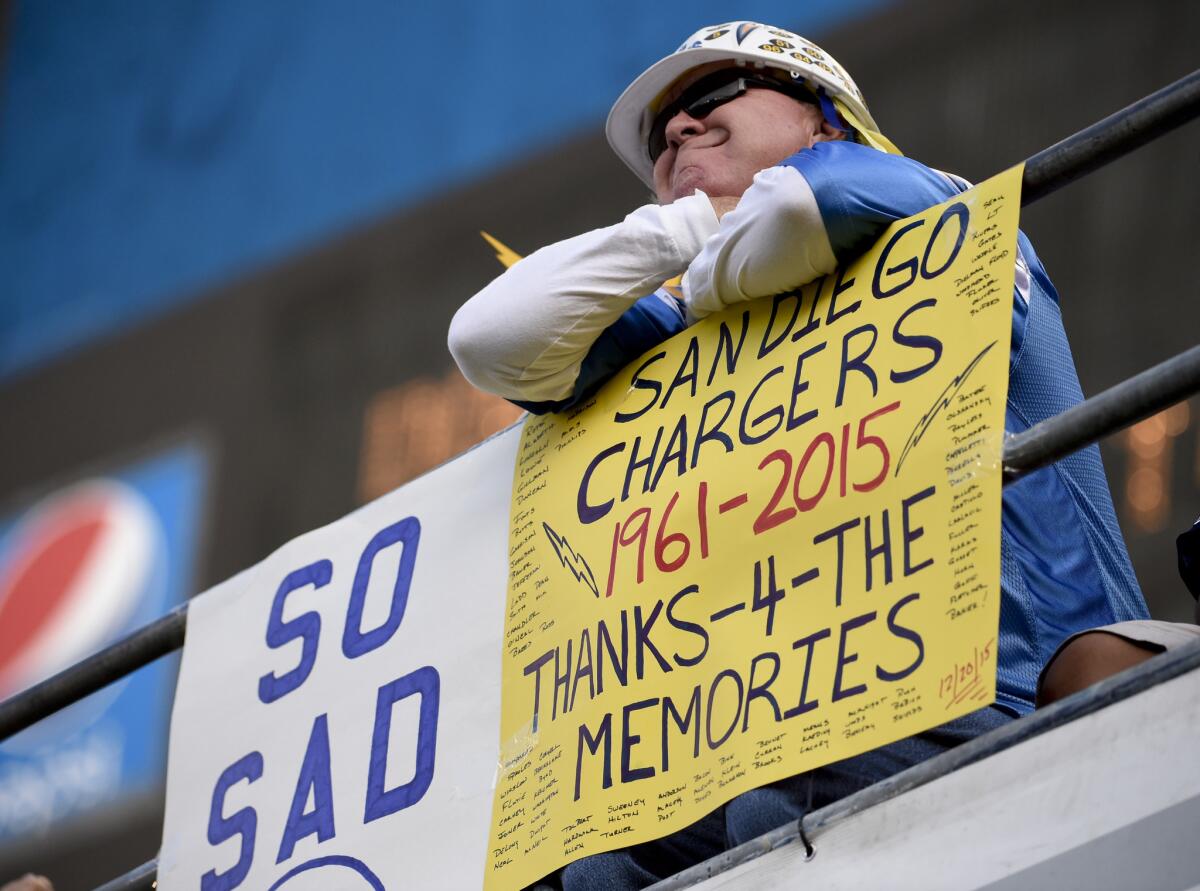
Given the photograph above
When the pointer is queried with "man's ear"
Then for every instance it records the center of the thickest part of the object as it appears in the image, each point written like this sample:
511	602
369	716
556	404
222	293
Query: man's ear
828	133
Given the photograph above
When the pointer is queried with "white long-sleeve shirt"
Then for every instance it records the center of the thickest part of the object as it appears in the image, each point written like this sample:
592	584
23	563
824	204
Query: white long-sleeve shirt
525	335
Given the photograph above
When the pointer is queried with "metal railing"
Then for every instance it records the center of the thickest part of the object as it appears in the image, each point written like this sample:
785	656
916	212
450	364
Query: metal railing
1102	415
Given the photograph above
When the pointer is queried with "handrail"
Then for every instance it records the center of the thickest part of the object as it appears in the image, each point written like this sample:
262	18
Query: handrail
1116	408
1115	136
142	878
140	647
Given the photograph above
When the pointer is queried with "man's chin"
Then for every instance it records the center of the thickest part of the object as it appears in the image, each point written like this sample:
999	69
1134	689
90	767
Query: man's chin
687	182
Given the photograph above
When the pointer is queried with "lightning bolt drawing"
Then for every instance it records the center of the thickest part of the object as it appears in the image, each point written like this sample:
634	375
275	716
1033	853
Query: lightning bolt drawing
743	31
504	253
940	403
569	559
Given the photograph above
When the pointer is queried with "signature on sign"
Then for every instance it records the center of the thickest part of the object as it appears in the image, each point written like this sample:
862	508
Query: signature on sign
964	682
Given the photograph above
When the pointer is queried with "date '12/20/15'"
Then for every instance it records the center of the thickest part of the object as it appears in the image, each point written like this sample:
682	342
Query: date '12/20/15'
963	682
809	478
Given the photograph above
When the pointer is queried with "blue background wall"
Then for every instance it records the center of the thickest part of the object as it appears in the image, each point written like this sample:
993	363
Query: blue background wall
151	150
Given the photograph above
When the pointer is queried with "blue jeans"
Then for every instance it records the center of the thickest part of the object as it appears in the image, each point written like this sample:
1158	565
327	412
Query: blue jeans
761	810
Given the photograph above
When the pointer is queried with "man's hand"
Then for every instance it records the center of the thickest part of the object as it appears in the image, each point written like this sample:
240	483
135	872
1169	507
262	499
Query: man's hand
29	882
723	204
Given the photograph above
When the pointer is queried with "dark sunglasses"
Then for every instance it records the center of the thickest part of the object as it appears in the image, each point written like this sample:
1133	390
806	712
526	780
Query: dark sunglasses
711	92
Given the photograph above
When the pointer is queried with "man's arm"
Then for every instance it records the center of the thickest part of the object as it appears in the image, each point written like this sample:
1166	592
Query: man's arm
819	209
526	335
774	240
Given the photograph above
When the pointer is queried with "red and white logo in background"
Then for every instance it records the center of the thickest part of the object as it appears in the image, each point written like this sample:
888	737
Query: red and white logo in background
71	576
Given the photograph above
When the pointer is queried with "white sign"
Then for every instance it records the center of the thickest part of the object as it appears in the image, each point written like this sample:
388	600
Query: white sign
336	718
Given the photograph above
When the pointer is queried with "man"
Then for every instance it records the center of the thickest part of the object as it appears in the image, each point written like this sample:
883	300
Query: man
770	172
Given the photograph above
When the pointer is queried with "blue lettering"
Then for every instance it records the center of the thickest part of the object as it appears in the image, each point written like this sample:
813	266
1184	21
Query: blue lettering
589	513
354	641
858	363
306	627
380	800
315	781
959	211
909	266
775	413
640	383
915	341
243	823
630	774
911	533
908	634
845	658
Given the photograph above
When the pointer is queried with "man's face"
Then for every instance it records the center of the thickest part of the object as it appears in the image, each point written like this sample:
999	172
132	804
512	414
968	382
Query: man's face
721	153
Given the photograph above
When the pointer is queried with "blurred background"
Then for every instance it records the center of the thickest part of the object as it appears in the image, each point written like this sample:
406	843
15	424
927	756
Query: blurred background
232	236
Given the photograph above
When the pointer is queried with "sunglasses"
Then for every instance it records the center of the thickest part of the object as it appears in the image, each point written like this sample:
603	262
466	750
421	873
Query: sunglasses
710	93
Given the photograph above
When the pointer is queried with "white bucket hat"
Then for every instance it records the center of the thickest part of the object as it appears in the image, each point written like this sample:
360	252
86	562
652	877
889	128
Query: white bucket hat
749	44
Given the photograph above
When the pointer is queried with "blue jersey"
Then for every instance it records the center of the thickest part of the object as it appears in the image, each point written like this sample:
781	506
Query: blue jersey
1064	567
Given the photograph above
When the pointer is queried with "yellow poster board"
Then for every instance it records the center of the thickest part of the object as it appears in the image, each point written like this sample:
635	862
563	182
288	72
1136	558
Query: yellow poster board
769	544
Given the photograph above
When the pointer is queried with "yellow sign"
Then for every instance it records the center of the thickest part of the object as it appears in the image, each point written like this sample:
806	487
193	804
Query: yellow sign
767	545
